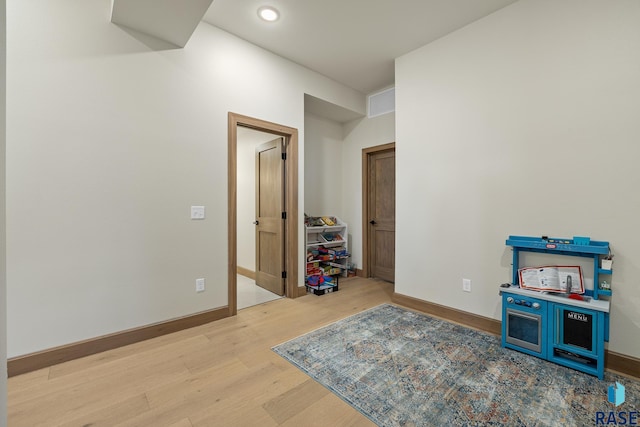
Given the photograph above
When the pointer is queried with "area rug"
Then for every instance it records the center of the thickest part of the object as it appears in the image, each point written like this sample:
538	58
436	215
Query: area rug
401	368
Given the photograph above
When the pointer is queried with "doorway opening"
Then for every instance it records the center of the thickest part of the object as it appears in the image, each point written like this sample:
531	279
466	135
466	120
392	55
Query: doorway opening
260	203
378	211
289	236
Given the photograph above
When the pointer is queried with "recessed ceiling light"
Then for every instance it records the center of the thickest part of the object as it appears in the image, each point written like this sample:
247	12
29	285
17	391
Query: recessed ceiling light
268	13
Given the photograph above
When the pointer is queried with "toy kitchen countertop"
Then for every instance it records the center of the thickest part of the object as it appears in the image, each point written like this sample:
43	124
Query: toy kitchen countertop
588	302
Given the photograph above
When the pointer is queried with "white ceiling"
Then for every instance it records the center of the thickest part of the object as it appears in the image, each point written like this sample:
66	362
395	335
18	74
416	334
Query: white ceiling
353	42
170	20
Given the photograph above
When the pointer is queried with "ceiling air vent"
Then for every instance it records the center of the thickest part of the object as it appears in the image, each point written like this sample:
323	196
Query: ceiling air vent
382	102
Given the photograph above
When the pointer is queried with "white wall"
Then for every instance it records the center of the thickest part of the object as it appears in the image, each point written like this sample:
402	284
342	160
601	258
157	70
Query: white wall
246	202
3	282
108	145
359	134
525	122
322	166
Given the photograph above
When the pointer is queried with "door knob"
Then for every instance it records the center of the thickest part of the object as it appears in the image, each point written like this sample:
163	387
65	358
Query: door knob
255	222
372	222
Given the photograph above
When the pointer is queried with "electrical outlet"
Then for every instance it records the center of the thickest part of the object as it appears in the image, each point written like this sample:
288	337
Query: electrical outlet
199	285
466	285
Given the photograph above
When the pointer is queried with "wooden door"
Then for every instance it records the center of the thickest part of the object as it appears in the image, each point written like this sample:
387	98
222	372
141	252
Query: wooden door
269	217
382	214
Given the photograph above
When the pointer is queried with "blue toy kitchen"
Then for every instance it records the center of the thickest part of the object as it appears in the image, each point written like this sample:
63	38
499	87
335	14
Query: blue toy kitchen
562	326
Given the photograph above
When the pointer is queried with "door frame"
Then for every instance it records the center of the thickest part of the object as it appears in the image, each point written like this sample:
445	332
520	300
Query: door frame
290	202
366	156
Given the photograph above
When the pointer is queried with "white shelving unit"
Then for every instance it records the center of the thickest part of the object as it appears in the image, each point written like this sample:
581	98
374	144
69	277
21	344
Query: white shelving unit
326	252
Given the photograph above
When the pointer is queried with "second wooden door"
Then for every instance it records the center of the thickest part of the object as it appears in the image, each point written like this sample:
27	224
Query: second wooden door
382	214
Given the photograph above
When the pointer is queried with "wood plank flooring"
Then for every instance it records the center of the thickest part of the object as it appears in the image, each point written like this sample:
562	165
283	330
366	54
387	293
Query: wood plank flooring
220	374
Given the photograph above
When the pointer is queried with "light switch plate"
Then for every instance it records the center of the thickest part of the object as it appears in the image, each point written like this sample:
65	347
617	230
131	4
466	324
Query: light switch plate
197	212
199	285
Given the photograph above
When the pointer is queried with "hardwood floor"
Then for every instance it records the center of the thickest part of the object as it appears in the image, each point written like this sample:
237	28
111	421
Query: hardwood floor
220	374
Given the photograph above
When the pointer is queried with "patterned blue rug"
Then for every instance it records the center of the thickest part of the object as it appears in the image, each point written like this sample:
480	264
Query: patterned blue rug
401	368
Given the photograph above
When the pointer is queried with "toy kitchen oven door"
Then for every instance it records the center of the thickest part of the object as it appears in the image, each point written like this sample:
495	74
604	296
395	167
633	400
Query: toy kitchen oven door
524	324
573	338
